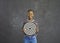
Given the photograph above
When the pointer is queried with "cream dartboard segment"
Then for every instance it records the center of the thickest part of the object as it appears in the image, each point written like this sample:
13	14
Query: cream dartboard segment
30	28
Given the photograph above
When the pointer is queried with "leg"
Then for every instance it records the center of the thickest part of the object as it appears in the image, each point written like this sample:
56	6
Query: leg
26	40
34	39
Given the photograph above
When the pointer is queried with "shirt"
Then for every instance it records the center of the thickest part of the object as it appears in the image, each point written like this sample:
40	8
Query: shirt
33	22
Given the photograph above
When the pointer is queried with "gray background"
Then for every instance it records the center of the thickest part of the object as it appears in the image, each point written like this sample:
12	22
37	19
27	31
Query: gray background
13	13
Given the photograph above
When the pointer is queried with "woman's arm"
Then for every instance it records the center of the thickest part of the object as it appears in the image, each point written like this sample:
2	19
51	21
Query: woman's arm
37	28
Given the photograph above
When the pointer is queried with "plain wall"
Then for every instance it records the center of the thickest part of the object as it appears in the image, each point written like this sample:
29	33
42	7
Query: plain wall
14	12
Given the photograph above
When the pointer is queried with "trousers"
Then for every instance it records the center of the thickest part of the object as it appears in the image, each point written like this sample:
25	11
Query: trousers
30	39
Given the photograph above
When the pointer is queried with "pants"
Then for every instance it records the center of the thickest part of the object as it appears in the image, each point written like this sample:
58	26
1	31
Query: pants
31	39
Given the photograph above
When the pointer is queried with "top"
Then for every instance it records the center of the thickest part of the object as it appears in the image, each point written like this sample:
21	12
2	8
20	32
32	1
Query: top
33	22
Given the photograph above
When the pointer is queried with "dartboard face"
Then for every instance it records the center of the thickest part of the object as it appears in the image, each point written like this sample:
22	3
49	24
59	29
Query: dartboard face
29	28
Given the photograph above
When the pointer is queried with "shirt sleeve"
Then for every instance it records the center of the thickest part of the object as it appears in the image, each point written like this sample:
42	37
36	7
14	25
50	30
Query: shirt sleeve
37	27
23	27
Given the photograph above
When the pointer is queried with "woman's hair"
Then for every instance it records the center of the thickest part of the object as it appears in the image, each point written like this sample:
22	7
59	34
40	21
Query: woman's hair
30	10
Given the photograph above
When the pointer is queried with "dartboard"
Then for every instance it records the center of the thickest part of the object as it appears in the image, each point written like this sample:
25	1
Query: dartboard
29	28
